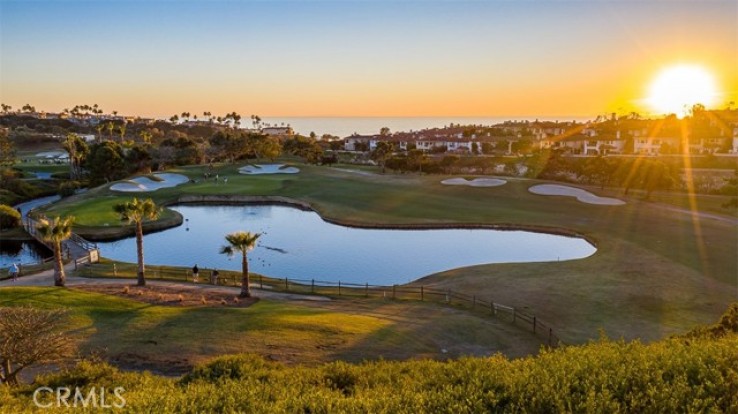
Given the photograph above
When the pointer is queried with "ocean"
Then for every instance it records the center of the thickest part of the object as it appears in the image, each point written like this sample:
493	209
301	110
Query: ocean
345	126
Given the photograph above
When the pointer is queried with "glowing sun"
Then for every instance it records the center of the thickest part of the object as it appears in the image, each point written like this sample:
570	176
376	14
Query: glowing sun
676	89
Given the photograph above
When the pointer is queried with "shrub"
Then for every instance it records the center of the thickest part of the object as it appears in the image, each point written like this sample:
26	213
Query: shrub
9	217
68	188
233	367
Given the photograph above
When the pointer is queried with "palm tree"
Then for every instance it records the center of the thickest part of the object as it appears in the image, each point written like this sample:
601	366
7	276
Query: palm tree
111	128
136	211
56	231
241	241
122	131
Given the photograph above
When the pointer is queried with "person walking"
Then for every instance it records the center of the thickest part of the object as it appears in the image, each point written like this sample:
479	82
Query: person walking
195	273
214	277
14	272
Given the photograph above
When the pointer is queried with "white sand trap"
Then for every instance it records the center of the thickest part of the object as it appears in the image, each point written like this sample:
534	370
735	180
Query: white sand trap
581	195
53	154
268	169
477	182
145	184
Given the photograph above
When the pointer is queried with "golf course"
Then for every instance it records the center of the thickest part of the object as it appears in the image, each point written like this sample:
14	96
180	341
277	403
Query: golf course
659	270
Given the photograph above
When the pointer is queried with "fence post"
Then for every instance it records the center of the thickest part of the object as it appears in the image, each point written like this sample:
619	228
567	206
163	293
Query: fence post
534	324
339	288
394	288
422	295
366	292
261	282
286	285
312	286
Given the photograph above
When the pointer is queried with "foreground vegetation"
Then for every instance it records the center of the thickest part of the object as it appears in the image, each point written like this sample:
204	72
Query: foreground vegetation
697	373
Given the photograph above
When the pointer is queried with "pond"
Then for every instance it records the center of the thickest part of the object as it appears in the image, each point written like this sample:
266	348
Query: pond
299	244
21	252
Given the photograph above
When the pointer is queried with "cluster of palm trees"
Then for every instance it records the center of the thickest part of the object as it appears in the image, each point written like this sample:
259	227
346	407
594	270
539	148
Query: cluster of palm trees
136	212
232	118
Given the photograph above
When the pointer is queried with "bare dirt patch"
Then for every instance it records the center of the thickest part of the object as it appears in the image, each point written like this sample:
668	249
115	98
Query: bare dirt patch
171	296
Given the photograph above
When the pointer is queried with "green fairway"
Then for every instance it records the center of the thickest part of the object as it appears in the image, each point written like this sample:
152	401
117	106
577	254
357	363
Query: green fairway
657	271
169	337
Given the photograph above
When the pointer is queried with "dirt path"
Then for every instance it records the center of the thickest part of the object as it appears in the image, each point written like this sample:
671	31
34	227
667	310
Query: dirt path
46	278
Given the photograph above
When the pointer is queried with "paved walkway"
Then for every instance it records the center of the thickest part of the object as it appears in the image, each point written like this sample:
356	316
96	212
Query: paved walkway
46	278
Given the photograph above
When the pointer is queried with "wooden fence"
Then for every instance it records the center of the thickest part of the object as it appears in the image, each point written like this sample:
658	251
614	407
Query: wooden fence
343	289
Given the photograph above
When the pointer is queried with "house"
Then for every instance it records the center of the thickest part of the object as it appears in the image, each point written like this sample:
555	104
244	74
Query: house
359	142
655	145
278	131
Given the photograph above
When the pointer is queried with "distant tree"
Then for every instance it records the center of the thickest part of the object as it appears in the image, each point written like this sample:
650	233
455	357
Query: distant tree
55	231
138	159
122	131
475	148
99	128
415	159
270	147
105	162
7	149
448	162
30	336
78	152
9	217
600	170
487	148
28	108
136	212
145	136
381	153
384	131
6	108
111	128
242	242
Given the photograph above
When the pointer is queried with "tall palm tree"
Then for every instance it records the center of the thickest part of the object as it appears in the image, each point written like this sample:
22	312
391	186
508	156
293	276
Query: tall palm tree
56	231
136	211
241	241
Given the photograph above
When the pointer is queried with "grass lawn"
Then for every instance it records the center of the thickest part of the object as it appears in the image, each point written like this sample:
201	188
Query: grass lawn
657	271
172	338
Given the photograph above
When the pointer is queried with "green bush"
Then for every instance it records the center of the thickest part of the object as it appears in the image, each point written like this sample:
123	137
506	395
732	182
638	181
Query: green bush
68	188
697	374
9	217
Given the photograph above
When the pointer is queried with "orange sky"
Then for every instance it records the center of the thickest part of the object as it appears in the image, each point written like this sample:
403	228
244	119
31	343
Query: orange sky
359	59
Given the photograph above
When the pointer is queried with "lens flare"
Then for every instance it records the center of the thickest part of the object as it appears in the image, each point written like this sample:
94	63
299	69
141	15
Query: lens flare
676	89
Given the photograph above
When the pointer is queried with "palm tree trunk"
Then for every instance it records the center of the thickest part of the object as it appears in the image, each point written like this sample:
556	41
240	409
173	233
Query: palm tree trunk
59	277
245	282
140	251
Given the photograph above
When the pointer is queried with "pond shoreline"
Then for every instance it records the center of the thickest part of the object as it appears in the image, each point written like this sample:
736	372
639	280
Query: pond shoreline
98	233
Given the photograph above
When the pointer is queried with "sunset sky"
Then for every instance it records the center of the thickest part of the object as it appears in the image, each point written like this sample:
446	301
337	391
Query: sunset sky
368	58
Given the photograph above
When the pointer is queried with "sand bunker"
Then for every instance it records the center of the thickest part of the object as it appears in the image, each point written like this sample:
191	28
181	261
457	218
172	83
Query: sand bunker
581	195
268	169
477	182
53	154
145	184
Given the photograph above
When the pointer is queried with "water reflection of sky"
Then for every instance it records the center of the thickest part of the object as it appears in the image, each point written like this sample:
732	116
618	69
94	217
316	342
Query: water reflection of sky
299	244
21	252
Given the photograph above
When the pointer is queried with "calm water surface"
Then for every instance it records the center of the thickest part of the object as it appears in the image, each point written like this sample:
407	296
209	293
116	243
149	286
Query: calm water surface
299	244
21	252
